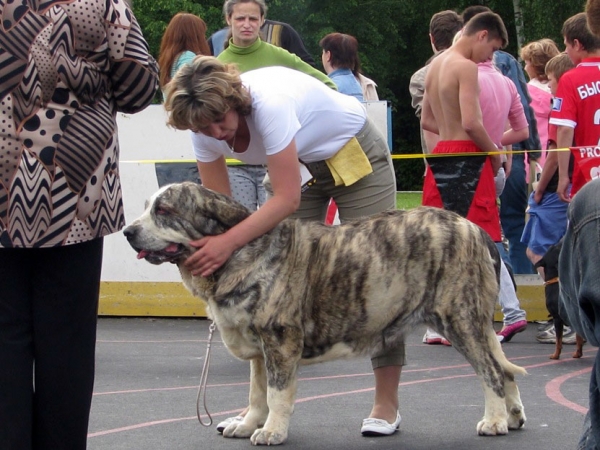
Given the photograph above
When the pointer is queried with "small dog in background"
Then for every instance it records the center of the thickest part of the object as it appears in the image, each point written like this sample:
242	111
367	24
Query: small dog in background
552	290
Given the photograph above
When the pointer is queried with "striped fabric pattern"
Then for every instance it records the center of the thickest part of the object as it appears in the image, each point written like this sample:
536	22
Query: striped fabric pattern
66	68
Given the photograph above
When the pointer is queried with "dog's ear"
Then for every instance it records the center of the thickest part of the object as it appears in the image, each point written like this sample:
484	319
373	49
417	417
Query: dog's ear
552	255
215	206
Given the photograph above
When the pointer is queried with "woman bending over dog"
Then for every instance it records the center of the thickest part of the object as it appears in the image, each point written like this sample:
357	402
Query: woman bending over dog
317	144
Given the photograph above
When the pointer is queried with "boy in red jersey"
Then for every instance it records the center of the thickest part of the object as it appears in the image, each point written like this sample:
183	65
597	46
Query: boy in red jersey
576	108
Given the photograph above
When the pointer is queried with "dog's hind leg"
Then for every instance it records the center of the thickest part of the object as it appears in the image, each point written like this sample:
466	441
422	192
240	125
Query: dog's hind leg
474	345
483	351
495	418
501	416
258	411
514	406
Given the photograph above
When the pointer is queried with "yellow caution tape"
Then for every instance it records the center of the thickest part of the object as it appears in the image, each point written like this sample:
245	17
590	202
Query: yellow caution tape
232	161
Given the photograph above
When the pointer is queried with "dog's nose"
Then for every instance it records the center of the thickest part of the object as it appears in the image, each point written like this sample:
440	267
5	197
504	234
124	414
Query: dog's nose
129	232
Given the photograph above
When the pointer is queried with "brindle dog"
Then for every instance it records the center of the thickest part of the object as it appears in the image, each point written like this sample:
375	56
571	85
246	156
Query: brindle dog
305	293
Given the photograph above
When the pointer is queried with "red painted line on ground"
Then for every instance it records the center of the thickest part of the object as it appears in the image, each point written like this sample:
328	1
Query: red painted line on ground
402	383
137	426
333	377
300	400
246	383
553	390
180	388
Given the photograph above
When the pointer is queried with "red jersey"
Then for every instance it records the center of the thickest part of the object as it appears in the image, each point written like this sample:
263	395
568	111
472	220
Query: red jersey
577	105
577	102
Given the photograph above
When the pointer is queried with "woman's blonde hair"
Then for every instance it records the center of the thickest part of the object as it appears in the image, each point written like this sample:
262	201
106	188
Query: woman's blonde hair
538	53
202	92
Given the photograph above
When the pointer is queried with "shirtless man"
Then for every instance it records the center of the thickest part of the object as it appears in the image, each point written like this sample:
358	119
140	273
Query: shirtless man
451	109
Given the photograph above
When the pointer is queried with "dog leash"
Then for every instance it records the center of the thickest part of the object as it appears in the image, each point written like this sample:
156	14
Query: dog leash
203	380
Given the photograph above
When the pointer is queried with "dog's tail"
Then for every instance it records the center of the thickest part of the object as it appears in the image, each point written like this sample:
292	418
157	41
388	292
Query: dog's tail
508	367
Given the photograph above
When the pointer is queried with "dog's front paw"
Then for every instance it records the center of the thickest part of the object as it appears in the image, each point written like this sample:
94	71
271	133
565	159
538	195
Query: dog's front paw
239	430
492	427
516	417
267	437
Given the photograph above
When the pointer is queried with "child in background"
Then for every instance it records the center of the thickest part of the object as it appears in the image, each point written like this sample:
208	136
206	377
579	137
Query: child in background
536	55
547	213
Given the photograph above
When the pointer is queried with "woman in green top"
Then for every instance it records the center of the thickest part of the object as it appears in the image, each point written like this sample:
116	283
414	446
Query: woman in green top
248	51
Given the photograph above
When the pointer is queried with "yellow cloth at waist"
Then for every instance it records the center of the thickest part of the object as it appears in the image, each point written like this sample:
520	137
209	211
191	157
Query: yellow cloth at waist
350	164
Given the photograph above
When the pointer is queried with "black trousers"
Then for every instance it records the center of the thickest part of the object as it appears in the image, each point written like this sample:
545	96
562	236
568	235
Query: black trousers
48	317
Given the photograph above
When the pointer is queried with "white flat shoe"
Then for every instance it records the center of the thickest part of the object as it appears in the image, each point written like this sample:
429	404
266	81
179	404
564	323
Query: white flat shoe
225	423
380	427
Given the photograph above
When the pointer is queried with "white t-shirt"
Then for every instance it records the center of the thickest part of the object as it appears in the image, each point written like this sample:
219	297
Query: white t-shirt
288	104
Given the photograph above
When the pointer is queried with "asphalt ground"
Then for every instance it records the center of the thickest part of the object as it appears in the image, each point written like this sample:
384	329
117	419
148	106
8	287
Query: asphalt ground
148	372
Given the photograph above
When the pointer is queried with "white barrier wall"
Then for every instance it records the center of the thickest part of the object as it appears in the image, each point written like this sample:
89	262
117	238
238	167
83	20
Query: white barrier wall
144	138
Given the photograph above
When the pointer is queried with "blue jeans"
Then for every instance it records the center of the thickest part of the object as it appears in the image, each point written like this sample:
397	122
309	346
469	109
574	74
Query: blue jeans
579	268
513	202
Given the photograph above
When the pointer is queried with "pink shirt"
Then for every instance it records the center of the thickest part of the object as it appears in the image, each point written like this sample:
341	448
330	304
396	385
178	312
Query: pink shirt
541	102
500	102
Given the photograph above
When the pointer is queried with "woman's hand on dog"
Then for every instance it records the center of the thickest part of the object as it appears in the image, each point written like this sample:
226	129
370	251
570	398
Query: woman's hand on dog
212	253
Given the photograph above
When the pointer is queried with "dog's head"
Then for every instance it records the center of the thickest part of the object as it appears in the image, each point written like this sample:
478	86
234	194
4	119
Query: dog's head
177	214
550	261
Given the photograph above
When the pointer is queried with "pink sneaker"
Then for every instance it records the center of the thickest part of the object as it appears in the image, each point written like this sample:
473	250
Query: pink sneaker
508	331
446	342
432	338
